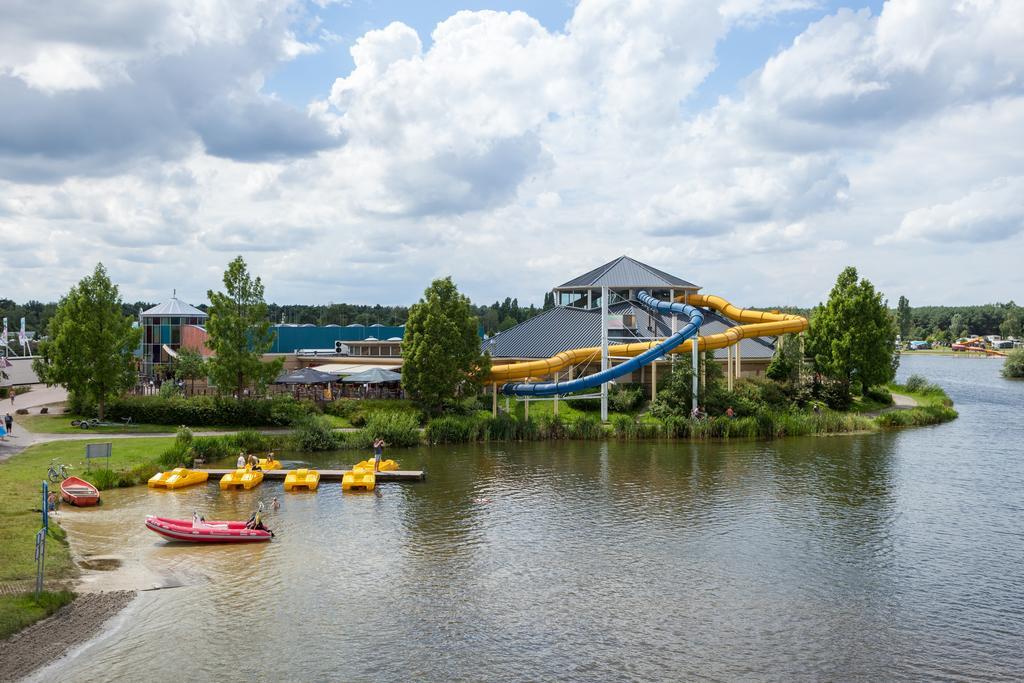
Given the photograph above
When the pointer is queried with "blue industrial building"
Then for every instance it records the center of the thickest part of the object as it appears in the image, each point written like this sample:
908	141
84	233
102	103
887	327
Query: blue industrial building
294	338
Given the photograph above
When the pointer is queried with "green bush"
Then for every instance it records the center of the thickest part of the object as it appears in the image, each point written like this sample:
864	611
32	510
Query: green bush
343	407
917	417
456	429
212	448
202	411
1013	366
169	390
464	406
585	428
398	429
836	395
314	433
626	399
504	427
551	427
755	394
252	441
879	395
625	427
916	384
179	454
105	479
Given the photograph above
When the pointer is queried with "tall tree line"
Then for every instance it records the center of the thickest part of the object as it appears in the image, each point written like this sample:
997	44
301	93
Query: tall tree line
942	323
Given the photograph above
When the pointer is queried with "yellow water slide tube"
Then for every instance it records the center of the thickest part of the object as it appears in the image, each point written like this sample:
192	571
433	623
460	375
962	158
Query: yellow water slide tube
752	324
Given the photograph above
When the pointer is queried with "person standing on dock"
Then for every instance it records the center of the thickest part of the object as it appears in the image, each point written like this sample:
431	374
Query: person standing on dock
378	453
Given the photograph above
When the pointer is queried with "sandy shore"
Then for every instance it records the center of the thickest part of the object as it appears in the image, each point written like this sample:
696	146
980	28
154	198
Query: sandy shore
49	639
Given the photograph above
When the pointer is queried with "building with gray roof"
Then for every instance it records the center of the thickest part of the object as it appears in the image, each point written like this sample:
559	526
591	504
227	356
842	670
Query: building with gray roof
575	321
162	330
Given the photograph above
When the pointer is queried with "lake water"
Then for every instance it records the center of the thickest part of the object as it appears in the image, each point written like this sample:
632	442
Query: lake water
891	556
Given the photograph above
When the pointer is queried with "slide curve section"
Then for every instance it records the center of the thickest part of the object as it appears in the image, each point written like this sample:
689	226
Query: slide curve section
597	379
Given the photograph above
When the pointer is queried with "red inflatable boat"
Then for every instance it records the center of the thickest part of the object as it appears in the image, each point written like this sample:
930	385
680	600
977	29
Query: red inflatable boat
79	492
208	532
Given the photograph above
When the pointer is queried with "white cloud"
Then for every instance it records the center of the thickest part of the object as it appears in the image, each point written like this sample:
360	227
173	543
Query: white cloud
988	214
95	89
740	197
510	155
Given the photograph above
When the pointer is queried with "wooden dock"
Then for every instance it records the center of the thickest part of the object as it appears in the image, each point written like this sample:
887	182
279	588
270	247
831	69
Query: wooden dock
332	475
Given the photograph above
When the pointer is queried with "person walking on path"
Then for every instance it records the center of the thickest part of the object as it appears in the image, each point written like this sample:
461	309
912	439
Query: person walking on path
9	423
378	453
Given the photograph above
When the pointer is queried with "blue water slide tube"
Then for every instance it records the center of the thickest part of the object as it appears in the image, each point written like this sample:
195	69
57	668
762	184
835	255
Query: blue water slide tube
652	354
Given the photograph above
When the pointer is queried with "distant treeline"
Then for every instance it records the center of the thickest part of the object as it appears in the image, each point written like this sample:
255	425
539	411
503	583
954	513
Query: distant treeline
937	323
948	323
495	317
37	314
944	323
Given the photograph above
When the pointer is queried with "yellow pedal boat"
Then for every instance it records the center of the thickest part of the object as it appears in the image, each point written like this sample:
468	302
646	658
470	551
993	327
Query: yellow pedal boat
358	480
178	478
241	479
302	480
385	465
270	464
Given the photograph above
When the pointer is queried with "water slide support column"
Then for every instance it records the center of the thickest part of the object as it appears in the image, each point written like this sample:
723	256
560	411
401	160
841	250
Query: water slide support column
728	366
654	380
555	408
604	352
739	361
694	344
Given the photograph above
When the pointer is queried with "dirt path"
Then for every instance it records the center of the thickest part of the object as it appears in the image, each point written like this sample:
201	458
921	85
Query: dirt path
49	639
899	402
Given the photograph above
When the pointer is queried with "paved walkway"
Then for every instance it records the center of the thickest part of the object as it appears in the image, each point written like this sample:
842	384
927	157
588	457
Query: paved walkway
899	402
41	395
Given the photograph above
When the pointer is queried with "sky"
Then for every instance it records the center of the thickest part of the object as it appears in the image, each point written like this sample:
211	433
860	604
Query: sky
354	150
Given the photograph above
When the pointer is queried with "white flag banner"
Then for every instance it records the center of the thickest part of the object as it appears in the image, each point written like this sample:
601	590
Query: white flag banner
23	336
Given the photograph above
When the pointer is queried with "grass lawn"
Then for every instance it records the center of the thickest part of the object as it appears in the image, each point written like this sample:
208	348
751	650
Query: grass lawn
863	404
365	406
61	424
20	500
338	422
19	611
927	398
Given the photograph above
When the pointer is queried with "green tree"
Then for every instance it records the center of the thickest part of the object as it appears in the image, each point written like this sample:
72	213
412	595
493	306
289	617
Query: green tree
189	365
1013	366
675	395
785	365
957	327
904	318
1013	323
852	337
441	348
91	343
240	333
